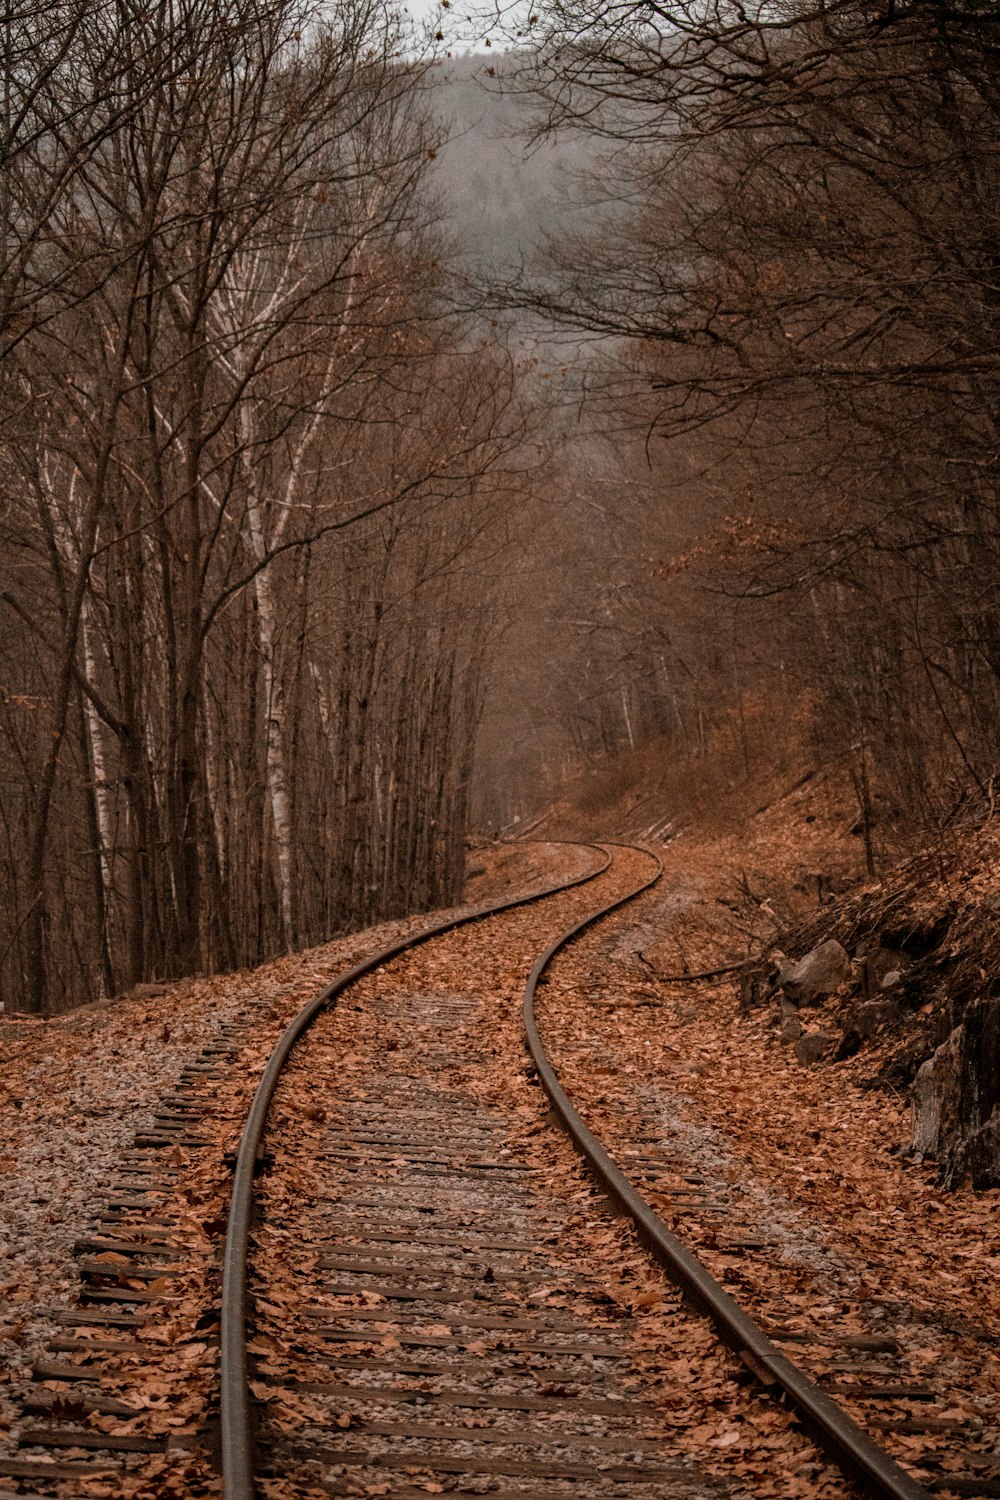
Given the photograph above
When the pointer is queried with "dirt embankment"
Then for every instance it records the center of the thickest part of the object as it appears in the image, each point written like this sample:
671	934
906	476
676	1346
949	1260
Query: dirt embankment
909	1002
919	1006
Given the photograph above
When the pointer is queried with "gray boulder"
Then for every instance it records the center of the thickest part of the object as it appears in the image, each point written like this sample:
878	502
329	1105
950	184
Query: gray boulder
813	1047
956	1100
818	975
148	991
980	1156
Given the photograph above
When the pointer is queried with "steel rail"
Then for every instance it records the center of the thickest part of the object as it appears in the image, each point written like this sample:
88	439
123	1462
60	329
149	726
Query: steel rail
235	1423
849	1445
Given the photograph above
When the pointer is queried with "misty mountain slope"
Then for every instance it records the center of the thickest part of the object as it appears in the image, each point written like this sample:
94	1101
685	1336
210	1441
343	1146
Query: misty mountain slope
500	195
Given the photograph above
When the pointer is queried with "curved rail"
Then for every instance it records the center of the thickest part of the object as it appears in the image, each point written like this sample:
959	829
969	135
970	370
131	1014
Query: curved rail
850	1446
236	1434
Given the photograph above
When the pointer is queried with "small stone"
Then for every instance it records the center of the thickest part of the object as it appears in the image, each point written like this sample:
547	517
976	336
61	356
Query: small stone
791	1030
892	978
813	1047
879	964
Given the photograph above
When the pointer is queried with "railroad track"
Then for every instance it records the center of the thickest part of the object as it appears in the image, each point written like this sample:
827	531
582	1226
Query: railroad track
409	1307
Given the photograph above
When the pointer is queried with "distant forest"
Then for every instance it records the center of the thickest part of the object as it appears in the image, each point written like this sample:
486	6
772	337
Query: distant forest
775	518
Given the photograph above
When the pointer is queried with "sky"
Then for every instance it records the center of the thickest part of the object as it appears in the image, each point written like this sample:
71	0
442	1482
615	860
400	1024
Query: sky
459	37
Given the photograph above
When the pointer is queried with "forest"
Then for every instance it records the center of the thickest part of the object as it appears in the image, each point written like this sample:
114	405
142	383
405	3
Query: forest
329	540
256	475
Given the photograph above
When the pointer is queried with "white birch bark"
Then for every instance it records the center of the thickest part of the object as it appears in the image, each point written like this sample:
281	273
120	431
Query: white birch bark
66	543
62	531
98	758
239	307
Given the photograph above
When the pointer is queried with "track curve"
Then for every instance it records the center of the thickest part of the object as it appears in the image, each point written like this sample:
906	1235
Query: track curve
857	1454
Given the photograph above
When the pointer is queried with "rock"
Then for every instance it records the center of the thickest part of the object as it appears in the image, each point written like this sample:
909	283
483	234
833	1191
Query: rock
978	1158
148	991
813	1047
891	979
981	1155
935	1100
865	1019
956	1100
819	974
755	988
789	1026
